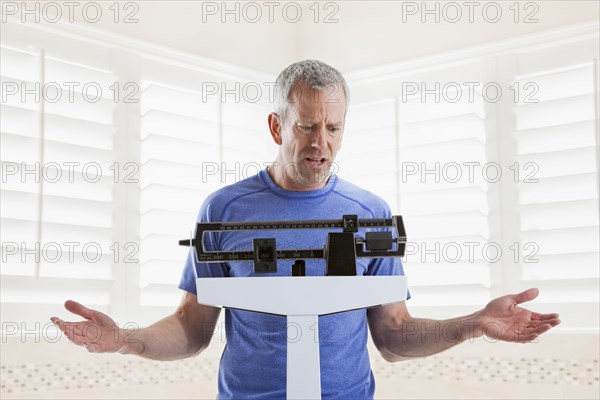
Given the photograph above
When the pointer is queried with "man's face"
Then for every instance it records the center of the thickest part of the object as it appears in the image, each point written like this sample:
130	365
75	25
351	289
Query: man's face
311	136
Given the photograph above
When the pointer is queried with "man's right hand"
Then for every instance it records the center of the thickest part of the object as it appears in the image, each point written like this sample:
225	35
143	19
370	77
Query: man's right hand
98	333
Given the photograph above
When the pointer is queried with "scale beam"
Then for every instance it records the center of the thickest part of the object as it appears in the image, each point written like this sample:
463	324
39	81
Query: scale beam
349	224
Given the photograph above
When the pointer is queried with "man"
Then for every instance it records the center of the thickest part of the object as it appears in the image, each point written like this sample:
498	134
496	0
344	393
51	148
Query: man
307	126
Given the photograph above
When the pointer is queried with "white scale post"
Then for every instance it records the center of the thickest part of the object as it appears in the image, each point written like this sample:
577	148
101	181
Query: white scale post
302	299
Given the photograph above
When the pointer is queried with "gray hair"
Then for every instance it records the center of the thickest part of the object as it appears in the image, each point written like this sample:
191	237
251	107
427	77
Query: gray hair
316	74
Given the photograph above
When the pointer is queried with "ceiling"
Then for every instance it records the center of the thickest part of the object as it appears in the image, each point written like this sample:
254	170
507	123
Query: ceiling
351	35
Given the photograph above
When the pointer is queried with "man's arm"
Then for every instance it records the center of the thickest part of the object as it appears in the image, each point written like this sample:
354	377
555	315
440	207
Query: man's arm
185	333
398	336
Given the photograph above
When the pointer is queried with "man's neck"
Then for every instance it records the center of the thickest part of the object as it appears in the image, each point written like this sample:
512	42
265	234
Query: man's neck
277	175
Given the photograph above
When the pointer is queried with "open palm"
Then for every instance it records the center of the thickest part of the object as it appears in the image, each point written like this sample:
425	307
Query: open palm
98	333
504	319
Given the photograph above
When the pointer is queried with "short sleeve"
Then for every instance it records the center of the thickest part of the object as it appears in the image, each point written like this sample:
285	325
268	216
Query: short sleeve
203	270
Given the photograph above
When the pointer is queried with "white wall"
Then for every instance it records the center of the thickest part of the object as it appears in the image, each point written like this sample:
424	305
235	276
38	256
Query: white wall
366	34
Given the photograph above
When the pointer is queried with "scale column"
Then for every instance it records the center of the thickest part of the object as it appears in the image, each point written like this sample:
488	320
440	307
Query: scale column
303	363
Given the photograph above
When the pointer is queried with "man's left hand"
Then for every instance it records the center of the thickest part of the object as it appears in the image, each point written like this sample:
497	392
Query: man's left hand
504	319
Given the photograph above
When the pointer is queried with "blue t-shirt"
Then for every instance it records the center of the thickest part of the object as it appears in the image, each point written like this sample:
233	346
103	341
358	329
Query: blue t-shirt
253	364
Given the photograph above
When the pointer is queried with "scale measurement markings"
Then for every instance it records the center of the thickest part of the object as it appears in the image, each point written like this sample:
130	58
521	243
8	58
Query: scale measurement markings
274	225
249	255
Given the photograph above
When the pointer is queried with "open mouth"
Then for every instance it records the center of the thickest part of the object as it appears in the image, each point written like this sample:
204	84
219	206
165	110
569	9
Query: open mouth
315	161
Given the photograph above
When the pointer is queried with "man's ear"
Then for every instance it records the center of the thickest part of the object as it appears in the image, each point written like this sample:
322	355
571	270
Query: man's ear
275	127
